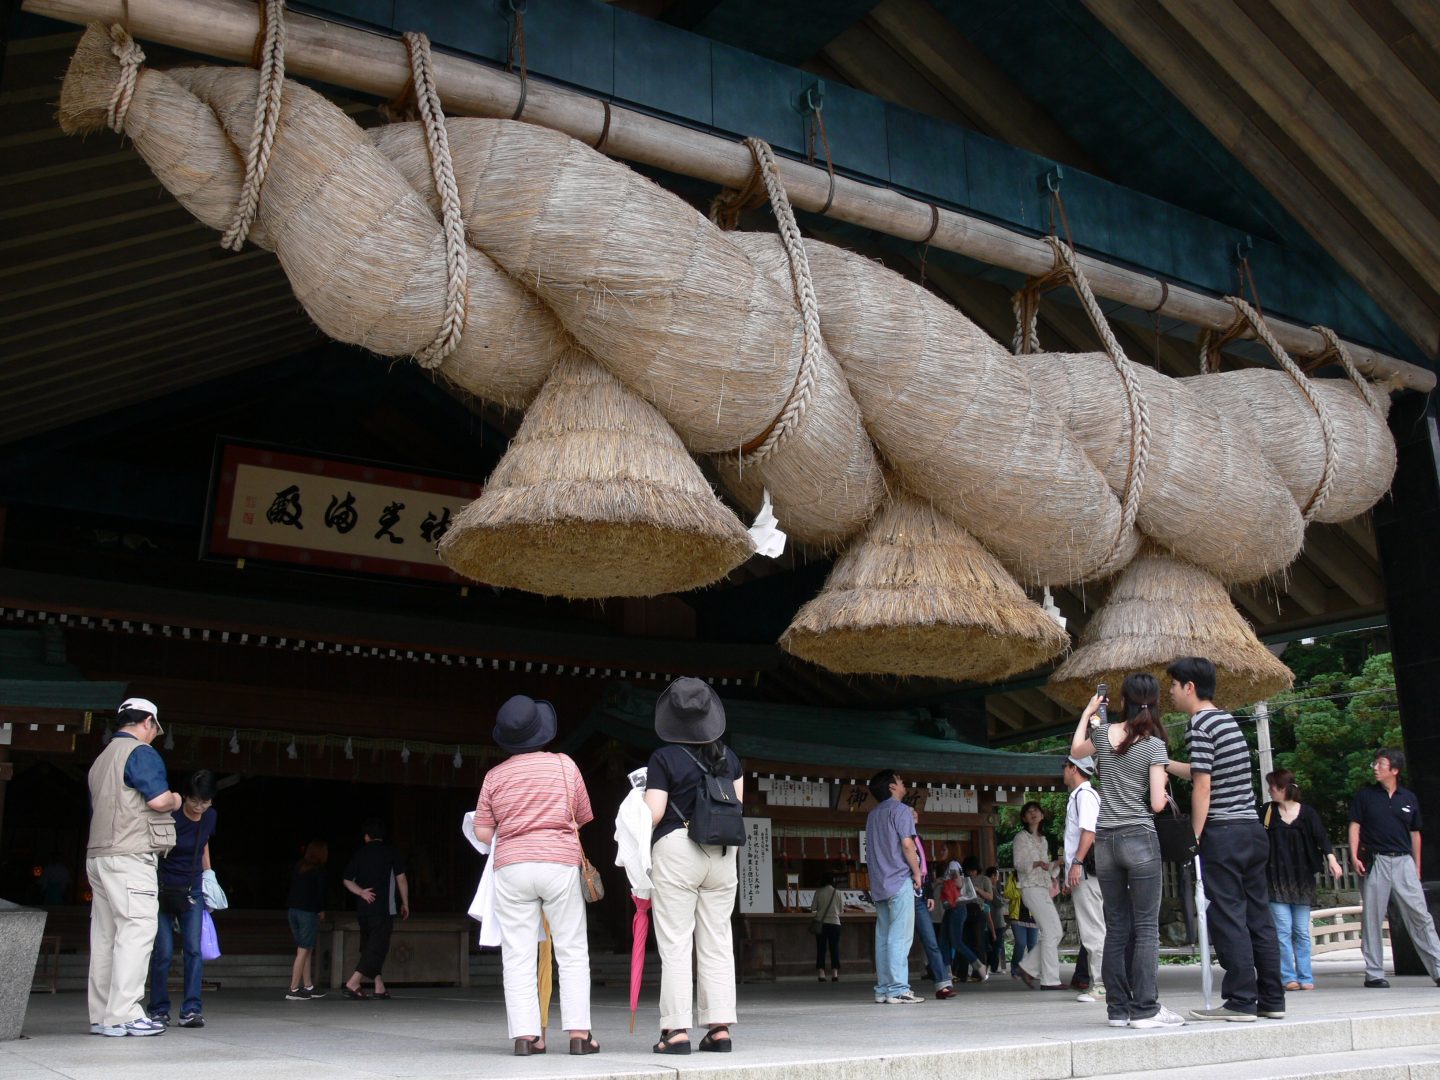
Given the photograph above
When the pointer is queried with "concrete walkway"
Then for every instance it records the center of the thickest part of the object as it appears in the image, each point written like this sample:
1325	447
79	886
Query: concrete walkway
798	1030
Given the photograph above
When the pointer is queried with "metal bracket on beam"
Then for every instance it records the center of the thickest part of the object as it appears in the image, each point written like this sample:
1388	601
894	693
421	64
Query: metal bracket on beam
812	98
1048	182
1243	250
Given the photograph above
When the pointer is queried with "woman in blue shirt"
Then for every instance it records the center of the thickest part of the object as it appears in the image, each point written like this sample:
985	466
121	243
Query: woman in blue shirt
180	875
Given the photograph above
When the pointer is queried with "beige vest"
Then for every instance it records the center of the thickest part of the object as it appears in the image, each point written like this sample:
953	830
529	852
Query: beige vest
120	821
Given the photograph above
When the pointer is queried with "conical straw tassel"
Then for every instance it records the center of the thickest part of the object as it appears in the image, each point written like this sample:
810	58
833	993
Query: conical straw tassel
595	497
918	595
1162	608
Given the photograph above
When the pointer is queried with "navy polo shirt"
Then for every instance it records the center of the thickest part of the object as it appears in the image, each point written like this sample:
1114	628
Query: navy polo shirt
144	769
1386	821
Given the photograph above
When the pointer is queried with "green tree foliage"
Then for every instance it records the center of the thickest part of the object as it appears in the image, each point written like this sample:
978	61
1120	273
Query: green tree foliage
1327	733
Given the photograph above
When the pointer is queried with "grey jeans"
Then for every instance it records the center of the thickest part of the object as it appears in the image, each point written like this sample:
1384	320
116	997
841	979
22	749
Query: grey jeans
1393	877
1127	862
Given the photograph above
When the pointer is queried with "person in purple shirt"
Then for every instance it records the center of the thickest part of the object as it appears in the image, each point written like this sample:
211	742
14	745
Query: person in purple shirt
894	865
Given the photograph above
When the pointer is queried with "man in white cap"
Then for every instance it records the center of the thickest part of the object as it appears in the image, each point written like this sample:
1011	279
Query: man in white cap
1081	814
130	828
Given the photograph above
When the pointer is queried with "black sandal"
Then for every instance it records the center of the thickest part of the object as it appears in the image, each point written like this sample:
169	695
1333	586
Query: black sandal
669	1042
714	1045
587	1045
355	995
527	1045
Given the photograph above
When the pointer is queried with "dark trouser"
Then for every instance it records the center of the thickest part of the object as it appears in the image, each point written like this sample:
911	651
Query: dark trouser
960	951
1233	857
164	952
374	941
1127	862
828	938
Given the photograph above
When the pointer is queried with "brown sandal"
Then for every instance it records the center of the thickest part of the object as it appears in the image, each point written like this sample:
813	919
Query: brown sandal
527	1045
587	1045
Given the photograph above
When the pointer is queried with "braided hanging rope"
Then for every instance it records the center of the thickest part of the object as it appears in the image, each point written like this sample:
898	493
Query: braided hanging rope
1336	348
131	56
1250	317
808	373
1134	392
727	206
267	119
457	258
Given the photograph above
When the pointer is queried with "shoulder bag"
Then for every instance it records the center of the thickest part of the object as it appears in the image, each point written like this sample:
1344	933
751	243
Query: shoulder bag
1176	835
591	887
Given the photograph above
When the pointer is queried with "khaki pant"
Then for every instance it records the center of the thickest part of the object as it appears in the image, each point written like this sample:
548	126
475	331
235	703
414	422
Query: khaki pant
123	920
1090	916
693	899
1043	961
522	891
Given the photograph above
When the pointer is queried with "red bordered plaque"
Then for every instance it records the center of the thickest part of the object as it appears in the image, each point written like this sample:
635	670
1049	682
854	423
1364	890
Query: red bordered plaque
328	513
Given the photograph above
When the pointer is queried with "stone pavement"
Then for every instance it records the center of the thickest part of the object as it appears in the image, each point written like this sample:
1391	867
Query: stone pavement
794	1029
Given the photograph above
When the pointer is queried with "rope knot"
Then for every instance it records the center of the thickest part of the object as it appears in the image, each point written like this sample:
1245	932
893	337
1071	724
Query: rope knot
131	56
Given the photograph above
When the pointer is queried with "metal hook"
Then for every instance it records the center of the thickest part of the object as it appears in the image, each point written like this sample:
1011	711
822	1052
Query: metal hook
812	99
1243	249
1050	181
517	7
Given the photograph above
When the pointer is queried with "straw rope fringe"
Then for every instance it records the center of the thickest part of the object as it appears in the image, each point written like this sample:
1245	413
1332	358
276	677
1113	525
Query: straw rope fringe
267	120
437	142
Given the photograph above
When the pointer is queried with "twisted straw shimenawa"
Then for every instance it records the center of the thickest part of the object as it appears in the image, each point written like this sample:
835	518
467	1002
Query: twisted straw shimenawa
1161	608
595	497
917	595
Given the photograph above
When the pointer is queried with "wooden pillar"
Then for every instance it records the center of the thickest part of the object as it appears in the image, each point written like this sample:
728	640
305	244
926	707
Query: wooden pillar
1407	531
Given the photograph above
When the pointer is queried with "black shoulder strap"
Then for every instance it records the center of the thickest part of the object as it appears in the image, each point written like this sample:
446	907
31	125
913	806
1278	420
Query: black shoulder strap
703	767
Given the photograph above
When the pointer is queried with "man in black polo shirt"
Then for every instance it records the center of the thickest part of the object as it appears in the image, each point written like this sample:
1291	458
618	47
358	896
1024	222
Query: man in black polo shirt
1233	848
1385	847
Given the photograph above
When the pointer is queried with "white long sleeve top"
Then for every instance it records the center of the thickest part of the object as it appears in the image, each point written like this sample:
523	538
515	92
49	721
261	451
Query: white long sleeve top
1029	849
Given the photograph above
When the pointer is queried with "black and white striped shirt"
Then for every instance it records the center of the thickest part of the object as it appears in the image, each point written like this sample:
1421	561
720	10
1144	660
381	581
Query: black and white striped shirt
1217	747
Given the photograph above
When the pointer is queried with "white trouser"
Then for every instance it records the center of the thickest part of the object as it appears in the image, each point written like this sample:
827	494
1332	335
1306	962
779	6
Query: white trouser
522	891
1043	961
1090	915
692	902
124	910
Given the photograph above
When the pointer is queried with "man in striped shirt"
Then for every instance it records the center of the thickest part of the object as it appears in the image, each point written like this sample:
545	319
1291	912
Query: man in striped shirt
1232	847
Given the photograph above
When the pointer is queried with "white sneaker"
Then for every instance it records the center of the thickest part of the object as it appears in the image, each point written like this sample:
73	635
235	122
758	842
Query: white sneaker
882	999
1119	1021
1162	1019
1087	997
97	1029
142	1026
909	997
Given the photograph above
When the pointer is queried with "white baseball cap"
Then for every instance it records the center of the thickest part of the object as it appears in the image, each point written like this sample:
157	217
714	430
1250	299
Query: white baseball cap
144	705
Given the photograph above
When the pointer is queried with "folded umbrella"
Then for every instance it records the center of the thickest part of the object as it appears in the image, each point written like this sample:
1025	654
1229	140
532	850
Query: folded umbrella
1202	927
639	936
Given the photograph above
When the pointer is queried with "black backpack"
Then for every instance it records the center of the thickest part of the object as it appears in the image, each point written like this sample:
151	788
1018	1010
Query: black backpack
718	817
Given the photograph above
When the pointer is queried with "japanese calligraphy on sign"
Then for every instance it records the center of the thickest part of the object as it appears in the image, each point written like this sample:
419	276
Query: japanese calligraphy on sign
756	871
329	513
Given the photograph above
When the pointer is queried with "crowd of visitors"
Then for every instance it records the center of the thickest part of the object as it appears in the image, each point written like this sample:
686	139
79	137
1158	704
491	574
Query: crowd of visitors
149	868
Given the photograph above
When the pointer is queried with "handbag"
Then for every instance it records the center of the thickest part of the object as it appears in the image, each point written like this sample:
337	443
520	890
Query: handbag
1174	831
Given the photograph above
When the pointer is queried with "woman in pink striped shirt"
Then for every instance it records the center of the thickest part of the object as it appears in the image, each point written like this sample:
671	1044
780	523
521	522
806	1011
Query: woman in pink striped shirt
532	806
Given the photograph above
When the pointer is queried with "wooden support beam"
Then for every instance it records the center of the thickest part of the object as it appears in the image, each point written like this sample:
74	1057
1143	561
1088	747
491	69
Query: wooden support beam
1346	42
1327	550
1007	712
1328	140
924	38
1200	83
1038	705
345	56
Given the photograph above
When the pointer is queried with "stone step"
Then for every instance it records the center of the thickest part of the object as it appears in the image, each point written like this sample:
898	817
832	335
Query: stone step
1220	1043
1398	1063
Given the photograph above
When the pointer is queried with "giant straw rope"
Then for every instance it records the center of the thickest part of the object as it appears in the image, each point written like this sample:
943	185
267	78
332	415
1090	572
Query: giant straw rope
802	368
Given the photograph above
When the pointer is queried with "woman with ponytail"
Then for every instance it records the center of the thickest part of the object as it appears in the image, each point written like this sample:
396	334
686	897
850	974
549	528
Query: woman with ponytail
1299	849
1130	758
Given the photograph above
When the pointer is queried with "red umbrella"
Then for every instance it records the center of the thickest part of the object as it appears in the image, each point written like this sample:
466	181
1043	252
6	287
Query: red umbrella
640	934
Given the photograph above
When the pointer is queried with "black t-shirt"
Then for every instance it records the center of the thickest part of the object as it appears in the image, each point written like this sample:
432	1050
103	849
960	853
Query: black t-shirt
673	770
184	864
307	890
374	866
1386	821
